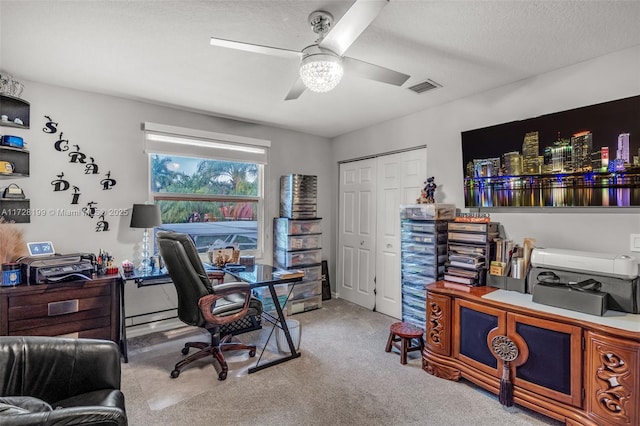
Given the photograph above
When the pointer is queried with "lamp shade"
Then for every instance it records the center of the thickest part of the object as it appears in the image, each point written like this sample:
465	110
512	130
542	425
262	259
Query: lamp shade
145	216
321	69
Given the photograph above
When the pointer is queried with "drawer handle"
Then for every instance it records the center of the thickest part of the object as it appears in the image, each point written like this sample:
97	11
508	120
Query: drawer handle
63	307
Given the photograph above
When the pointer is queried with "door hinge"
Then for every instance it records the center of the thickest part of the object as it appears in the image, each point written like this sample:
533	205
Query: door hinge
584	394
583	343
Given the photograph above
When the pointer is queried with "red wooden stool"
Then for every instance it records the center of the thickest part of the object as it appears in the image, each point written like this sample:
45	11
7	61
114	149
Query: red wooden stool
404	333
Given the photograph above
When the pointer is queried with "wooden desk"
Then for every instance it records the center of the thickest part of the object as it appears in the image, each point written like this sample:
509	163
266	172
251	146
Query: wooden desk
80	309
578	368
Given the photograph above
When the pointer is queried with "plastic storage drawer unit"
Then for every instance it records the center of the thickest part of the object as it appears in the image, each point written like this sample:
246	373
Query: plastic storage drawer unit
298	258
298	242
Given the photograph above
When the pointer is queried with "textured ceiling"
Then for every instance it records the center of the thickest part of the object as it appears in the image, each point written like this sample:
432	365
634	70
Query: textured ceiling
158	51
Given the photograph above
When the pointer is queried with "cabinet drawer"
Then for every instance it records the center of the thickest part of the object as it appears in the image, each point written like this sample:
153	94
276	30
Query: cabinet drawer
75	325
72	313
103	333
58	294
54	308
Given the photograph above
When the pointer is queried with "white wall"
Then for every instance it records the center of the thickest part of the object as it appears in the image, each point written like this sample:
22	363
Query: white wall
603	79
109	129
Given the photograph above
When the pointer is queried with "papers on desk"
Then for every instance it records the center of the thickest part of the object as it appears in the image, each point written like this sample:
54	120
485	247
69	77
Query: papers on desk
285	274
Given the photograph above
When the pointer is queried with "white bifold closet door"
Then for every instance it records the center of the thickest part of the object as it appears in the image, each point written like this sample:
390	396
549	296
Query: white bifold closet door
371	193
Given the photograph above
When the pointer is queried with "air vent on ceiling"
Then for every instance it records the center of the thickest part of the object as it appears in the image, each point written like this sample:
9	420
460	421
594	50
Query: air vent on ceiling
424	86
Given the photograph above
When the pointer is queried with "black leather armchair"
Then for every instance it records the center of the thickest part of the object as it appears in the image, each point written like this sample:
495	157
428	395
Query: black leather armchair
204	305
60	381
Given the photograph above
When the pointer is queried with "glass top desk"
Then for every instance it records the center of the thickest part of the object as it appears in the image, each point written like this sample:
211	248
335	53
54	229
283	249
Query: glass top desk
263	276
258	275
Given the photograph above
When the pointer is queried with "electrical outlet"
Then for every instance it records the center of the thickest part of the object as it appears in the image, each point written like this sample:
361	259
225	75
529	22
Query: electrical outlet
634	242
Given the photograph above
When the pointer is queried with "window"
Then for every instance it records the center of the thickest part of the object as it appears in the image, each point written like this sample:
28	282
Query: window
208	185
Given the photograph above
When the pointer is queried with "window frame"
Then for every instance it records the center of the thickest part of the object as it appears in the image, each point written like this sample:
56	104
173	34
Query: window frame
201	151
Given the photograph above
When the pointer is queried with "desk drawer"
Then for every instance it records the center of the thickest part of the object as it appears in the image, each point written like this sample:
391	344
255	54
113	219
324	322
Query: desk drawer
59	310
82	309
56	328
56	294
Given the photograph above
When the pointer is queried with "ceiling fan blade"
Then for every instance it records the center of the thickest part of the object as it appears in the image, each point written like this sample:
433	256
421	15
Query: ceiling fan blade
255	48
351	25
373	72
296	90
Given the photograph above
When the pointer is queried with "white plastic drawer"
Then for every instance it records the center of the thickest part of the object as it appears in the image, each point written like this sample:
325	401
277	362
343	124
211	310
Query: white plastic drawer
414	302
414	291
417	279
298	258
418	314
424	270
297	306
425	248
418	237
423	259
306	290
429	227
297	227
298	242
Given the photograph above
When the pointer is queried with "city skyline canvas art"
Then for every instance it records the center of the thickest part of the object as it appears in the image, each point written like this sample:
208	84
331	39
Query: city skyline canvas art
583	157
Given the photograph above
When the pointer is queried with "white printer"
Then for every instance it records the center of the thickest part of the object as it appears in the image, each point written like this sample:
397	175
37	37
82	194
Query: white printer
617	274
613	265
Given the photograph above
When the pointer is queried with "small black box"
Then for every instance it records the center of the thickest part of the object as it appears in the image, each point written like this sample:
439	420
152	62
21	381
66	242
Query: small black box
588	301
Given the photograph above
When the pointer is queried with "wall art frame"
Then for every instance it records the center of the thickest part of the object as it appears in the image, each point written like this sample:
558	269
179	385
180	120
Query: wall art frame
583	157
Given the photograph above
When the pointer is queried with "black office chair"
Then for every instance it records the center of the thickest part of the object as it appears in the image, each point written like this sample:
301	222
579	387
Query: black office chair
204	305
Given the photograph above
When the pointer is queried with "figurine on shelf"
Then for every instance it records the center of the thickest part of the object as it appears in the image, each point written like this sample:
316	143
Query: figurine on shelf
427	194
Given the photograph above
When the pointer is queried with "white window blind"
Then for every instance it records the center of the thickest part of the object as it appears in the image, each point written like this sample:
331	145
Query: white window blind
165	139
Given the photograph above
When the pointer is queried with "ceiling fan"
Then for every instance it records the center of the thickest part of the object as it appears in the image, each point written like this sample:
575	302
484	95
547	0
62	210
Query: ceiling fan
322	63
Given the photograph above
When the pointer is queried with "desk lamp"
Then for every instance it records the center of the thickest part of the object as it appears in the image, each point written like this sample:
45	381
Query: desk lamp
145	216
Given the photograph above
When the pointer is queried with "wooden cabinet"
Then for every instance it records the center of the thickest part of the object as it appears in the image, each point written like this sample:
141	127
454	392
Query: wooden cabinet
612	379
81	309
576	371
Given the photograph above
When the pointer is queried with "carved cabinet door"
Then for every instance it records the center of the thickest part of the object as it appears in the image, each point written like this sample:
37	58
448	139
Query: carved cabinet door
439	324
550	358
612	380
474	325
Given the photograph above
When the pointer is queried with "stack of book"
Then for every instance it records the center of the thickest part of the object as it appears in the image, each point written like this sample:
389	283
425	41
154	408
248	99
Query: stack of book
470	245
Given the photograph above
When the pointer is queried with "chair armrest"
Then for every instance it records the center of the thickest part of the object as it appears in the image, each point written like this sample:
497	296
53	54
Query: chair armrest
103	416
208	302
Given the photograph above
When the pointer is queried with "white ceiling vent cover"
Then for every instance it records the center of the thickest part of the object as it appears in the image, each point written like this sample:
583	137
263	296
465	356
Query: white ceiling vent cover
424	86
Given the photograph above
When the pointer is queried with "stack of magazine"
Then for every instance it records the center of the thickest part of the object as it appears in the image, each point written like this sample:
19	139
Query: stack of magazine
469	251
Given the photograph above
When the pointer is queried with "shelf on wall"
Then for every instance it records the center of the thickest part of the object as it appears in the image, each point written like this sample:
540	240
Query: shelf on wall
14	108
19	158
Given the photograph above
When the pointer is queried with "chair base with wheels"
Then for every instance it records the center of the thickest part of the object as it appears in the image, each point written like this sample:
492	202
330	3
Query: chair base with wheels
215	349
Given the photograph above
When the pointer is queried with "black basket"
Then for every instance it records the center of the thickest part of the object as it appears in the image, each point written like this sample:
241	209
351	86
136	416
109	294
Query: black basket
243	325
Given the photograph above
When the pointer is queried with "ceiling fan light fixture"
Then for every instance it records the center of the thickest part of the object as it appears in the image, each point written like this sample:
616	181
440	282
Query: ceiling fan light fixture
321	71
